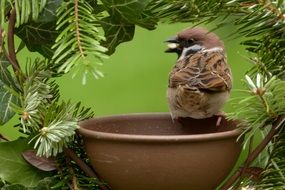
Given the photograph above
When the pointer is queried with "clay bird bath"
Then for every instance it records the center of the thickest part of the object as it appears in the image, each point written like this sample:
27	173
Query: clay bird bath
151	152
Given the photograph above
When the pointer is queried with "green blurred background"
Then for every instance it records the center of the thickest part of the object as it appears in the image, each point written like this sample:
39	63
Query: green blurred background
136	75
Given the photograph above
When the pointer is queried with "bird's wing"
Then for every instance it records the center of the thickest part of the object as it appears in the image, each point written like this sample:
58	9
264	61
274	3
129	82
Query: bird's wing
204	70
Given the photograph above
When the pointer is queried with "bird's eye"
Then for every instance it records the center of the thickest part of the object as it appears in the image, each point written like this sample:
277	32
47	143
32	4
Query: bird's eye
190	41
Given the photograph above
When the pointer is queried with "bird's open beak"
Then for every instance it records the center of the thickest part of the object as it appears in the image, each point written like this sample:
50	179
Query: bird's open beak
173	44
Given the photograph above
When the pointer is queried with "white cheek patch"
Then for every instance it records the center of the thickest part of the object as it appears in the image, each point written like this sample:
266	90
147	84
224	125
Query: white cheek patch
172	45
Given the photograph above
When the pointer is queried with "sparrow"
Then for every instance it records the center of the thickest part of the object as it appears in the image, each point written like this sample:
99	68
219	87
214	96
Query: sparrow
200	82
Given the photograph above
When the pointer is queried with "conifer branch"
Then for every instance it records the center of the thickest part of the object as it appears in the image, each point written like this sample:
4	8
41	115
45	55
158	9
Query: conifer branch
269	6
79	39
71	154
254	154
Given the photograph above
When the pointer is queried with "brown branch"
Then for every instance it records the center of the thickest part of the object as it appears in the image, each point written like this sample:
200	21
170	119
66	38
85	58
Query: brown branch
84	167
11	43
77	30
254	154
260	92
1	40
74	179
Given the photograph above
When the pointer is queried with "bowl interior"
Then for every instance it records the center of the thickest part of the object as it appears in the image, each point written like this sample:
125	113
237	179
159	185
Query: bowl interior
156	124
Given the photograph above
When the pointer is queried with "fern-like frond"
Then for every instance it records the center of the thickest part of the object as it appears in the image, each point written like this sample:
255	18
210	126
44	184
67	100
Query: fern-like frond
264	25
261	104
59	125
79	40
50	123
54	137
37	91
28	10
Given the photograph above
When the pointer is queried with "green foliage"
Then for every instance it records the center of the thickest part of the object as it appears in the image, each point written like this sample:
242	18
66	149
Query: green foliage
40	34
14	168
69	33
65	176
119	26
191	11
44	184
260	104
6	98
36	93
27	10
5	75
264	26
112	30
52	123
274	176
59	125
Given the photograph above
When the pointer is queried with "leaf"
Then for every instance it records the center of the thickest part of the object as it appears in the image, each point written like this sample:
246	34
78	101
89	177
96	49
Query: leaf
40	35
49	12
44	184
14	187
5	75
116	33
13	168
42	163
147	21
119	27
5	99
5	96
131	11
27	10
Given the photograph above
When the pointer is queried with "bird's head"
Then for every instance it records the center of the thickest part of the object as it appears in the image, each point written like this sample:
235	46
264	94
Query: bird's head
192	40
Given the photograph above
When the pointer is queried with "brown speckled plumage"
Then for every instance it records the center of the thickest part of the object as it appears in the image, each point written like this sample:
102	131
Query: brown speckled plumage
199	83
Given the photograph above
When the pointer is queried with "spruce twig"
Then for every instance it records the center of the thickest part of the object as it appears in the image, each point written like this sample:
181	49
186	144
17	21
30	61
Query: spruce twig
84	167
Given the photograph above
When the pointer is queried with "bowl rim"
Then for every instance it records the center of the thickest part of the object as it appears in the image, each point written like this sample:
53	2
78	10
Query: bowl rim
152	138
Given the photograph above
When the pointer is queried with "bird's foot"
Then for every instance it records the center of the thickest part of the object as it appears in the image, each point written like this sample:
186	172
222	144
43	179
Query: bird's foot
174	118
220	116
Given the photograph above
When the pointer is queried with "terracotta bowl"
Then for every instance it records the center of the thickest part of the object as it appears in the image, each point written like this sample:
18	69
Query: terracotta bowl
151	152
